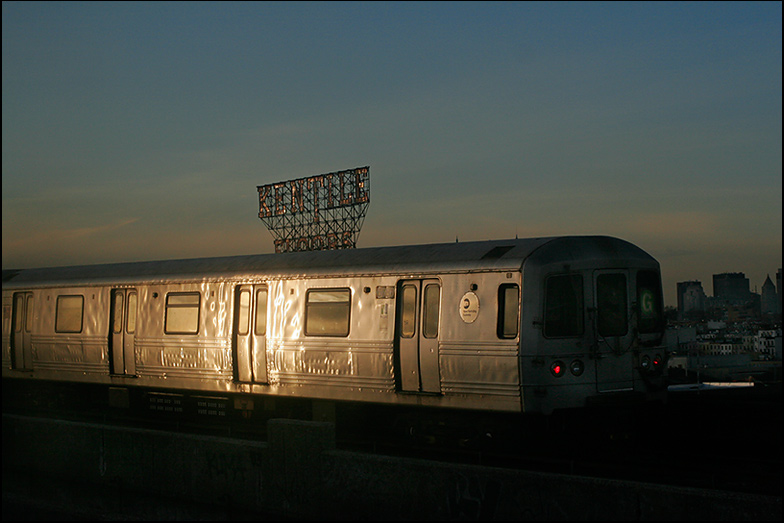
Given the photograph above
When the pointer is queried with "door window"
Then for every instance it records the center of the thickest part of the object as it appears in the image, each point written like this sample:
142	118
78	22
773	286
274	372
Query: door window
508	307
408	311
430	310
243	319
118	313
19	317
29	313
564	306
261	312
130	328
612	316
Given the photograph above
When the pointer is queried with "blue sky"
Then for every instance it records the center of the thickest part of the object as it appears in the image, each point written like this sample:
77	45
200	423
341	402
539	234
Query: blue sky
139	131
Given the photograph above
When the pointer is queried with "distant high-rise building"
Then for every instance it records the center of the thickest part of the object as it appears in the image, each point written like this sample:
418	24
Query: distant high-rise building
691	298
778	290
769	300
731	288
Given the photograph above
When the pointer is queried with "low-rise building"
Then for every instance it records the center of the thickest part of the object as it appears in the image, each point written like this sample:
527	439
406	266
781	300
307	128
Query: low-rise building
765	344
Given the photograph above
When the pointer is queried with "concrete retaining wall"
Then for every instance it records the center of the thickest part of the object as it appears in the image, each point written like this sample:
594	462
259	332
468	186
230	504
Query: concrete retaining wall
107	470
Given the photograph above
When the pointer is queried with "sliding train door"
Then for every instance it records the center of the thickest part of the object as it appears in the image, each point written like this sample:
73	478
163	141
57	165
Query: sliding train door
21	334
122	336
250	333
614	331
417	335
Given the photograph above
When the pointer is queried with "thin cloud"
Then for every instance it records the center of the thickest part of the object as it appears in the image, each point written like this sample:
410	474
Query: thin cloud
677	225
65	235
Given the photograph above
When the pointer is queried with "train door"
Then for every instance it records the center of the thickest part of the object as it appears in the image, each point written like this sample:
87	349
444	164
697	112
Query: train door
123	332
250	333
21	334
613	331
417	335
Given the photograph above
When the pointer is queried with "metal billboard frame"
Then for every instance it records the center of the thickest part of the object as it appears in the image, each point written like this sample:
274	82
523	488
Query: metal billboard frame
325	211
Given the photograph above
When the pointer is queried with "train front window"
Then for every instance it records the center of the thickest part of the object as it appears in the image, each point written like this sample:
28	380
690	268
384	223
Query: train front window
563	304
612	318
649	302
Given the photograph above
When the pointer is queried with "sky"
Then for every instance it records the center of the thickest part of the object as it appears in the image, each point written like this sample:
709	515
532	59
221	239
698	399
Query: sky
141	130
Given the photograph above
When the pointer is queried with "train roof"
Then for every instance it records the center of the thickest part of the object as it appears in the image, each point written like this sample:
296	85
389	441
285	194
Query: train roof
445	257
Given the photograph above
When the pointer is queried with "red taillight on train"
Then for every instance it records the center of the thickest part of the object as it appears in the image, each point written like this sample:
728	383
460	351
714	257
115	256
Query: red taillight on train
557	368
651	365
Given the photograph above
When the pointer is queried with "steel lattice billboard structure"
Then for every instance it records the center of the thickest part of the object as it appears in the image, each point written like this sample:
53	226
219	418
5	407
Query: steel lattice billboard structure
319	212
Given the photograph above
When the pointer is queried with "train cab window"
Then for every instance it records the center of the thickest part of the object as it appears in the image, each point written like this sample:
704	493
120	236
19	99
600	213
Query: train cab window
564	304
260	328
611	304
649	302
182	313
70	311
327	312
432	298
508	308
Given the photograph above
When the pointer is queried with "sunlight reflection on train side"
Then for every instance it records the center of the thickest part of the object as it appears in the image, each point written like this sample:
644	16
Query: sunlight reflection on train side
275	333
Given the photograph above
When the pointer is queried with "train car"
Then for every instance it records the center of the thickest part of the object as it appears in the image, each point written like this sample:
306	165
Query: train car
516	326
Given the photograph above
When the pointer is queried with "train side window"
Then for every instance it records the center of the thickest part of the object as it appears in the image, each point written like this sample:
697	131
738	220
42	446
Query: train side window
432	297
70	311
327	312
649	302
612	315
261	312
182	313
564	304
508	308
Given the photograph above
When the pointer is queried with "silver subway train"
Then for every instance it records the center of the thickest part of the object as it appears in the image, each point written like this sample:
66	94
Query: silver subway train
528	325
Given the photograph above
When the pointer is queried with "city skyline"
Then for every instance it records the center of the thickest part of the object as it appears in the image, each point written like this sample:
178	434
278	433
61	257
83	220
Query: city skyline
140	131
734	288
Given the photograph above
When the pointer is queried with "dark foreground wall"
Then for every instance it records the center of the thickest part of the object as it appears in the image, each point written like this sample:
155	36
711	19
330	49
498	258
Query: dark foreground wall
109	472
